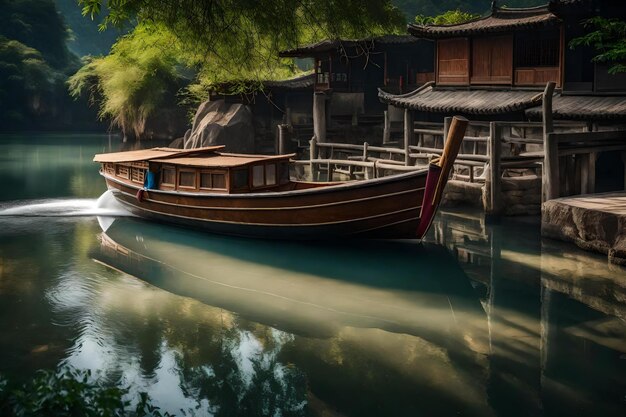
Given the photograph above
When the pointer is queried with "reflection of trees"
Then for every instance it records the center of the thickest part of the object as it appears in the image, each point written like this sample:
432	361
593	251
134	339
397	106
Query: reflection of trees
135	334
263	386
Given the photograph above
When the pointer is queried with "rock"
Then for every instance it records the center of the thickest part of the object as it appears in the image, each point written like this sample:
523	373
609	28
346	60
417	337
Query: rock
593	222
221	123
177	143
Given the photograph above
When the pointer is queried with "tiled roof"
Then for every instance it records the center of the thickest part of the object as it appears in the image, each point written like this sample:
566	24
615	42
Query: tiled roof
295	83
467	101
584	108
330	45
500	20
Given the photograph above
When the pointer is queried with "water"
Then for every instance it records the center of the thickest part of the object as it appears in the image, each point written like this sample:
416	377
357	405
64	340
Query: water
484	320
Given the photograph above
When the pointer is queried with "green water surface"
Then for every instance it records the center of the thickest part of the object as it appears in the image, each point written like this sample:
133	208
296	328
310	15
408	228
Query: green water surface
482	320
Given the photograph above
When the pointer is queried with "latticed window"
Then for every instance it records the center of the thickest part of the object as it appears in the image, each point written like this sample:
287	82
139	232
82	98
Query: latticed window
537	50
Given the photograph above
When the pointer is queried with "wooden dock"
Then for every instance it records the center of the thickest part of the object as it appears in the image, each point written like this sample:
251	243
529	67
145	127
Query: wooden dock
593	222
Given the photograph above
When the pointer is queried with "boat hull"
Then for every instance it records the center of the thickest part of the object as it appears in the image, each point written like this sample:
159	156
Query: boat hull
387	207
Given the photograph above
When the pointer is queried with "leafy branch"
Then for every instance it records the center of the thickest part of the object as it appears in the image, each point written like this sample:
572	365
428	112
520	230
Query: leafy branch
608	38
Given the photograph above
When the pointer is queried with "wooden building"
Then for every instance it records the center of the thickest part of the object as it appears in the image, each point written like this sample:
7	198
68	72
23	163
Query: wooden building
349	72
494	67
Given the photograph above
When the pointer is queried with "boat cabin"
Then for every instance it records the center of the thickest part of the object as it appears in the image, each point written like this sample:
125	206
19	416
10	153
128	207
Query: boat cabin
202	170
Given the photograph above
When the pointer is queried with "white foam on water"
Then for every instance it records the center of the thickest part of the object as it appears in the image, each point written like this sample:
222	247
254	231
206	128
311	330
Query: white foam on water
106	205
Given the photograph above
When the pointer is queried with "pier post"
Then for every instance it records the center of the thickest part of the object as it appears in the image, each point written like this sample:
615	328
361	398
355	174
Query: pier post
386	128
409	134
550	177
494	205
283	137
446	128
319	116
312	156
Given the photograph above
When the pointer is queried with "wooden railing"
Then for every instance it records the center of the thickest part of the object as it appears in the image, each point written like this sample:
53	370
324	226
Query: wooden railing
581	150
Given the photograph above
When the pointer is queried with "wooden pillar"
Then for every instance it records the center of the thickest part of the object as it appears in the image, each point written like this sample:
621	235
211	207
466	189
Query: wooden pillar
494	205
409	135
283	138
624	161
319	116
312	156
446	128
550	177
387	128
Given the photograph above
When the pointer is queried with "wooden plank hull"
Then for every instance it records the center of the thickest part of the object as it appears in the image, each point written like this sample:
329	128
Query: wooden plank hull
387	207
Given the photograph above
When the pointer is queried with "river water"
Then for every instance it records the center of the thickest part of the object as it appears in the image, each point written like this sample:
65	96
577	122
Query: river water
482	320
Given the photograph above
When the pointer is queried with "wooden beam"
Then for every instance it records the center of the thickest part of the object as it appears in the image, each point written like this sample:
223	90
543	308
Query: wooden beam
319	116
551	167
283	138
495	174
409	135
550	145
387	128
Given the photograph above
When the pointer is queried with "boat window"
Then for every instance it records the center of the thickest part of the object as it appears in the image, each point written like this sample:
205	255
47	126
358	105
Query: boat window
138	175
168	176
109	169
258	179
212	180
270	174
284	172
122	171
219	181
240	178
187	179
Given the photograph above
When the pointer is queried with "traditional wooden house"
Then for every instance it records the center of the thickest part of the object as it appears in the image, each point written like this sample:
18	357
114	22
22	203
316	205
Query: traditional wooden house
348	74
494	67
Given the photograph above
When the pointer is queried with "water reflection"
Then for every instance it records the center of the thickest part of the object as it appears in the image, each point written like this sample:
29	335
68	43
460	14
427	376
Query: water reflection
396	314
565	354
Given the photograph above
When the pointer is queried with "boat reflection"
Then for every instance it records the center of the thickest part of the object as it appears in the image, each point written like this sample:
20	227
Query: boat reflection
408	311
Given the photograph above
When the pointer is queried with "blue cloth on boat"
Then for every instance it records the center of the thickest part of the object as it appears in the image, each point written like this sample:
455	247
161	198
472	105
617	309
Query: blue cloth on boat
150	182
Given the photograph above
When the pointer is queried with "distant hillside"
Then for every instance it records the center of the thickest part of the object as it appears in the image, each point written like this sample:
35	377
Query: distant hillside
85	38
411	8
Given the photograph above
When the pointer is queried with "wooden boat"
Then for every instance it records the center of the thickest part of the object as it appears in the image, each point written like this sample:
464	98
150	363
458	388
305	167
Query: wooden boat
253	195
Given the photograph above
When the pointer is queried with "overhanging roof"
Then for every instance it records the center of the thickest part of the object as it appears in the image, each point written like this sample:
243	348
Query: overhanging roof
153	153
500	20
331	45
584	108
467	100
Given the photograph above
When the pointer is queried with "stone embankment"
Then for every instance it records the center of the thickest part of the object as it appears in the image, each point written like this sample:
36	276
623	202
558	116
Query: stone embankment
593	222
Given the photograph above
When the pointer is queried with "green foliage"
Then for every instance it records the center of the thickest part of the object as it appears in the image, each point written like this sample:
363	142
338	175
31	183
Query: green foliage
436	7
142	73
252	32
451	17
70	392
26	81
37	24
202	45
608	38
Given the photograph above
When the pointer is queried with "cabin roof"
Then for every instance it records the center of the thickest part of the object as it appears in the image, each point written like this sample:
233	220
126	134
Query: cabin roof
221	160
463	100
150	154
299	82
499	20
584	108
330	45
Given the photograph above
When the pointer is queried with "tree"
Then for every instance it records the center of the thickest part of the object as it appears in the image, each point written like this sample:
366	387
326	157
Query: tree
451	17
608	37
239	32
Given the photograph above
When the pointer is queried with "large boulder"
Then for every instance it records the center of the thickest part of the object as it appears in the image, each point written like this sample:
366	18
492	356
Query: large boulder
221	123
